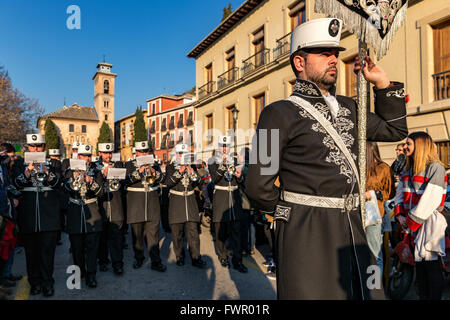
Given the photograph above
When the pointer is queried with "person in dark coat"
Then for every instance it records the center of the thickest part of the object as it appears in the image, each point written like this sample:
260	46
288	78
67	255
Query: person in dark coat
39	217
227	205
110	205
65	164
143	207
321	245
84	221
184	216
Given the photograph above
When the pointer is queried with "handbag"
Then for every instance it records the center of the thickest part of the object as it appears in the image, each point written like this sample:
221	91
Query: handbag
373	216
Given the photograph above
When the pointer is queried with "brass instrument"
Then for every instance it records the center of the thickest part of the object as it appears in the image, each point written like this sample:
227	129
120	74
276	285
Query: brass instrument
192	175
77	183
39	175
114	184
149	177
231	169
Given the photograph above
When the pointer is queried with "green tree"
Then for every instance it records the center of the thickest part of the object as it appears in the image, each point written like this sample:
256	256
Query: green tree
51	135
227	11
105	134
140	133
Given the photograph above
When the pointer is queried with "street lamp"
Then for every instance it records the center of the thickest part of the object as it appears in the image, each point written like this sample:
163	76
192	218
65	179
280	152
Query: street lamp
235	117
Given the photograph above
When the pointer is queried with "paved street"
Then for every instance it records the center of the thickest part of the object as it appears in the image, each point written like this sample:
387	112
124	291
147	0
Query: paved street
187	282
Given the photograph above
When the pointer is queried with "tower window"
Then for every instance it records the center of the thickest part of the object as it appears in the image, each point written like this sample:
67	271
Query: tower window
106	87
106	117
106	104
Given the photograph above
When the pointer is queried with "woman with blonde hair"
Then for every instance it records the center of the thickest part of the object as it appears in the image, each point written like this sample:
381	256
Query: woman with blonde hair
419	203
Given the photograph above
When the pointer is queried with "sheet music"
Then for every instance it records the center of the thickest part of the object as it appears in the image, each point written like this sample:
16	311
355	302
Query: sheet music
116	173
78	164
35	157
115	157
144	160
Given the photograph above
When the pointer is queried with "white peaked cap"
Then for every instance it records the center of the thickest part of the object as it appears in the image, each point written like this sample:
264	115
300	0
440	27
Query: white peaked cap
317	33
76	145
85	149
225	140
181	148
35	139
53	152
141	145
106	147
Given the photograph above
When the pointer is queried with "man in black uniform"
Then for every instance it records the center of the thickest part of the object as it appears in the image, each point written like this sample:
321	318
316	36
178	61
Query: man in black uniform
84	222
227	205
143	209
110	205
181	179
322	248
65	164
39	217
55	161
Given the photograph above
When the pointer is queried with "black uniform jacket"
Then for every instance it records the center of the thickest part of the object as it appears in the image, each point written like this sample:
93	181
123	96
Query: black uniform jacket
110	203
227	205
321	249
84	217
39	207
182	208
142	205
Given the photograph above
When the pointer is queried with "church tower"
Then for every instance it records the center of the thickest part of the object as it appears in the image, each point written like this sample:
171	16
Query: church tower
104	95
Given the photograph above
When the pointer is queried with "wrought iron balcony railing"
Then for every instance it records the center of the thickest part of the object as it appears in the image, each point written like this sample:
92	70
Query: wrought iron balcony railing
227	78
441	85
206	90
283	46
190	121
180	123
171	125
255	61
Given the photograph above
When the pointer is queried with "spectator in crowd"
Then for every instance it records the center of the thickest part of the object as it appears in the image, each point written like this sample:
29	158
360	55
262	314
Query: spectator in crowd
419	202
379	179
7	278
399	162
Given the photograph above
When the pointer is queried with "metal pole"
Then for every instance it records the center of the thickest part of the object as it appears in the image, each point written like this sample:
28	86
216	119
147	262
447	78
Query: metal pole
362	129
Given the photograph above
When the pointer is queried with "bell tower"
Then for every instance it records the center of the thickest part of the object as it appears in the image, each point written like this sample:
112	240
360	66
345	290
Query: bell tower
104	85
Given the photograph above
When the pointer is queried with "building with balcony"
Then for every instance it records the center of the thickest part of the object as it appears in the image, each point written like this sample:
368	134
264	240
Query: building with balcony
171	121
244	63
124	138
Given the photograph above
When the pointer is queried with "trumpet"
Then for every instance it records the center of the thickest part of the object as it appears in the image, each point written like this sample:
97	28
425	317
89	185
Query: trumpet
77	183
192	175
114	184
39	175
149	178
231	169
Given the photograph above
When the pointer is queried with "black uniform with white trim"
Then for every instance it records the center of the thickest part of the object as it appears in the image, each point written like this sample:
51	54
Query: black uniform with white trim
84	221
143	212
183	210
316	245
38	218
227	211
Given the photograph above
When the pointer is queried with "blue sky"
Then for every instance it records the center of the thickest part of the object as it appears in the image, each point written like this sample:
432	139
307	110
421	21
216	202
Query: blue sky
146	41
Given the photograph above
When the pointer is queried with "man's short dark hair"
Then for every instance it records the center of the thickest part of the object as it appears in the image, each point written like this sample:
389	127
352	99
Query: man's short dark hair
300	52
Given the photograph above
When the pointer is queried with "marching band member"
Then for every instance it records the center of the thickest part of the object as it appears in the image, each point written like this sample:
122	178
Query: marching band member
143	208
84	222
110	205
66	162
39	217
55	161
227	205
181	179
